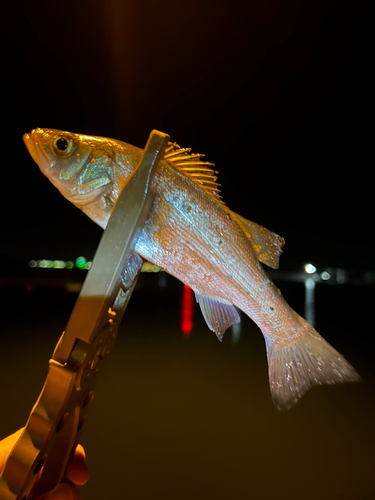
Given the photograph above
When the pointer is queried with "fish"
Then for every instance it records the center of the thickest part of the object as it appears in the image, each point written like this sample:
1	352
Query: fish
191	234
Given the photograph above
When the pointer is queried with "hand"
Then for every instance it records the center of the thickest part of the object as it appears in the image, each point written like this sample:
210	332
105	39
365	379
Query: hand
76	472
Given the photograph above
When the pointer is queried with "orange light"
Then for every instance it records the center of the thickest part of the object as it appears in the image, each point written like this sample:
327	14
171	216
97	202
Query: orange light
187	310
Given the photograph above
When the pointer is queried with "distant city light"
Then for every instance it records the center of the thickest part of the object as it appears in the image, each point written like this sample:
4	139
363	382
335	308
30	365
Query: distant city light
325	276
146	267
81	262
310	269
58	264
44	263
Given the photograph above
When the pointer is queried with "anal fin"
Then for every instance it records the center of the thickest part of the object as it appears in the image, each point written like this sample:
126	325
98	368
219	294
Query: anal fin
218	315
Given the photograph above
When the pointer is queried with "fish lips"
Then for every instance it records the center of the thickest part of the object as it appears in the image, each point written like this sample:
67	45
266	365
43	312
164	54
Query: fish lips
30	145
34	145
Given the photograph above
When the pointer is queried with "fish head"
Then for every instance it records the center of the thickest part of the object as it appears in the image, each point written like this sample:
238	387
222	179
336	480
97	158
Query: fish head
80	166
89	171
72	163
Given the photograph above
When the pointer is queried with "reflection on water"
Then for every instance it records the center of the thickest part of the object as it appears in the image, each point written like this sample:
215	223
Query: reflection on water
187	310
162	280
190	420
310	301
187	315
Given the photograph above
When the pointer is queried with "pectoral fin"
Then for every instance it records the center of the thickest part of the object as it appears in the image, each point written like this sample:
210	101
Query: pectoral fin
218	316
131	269
266	244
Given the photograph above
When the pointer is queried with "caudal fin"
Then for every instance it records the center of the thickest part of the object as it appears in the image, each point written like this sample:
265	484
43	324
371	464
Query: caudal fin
307	361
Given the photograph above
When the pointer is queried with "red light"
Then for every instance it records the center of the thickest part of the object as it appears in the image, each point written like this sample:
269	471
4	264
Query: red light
187	310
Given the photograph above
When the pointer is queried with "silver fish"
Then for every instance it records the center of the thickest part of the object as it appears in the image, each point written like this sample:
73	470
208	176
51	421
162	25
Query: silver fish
192	234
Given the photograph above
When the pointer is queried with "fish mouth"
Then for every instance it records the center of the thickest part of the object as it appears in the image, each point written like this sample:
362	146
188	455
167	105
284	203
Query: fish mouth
28	139
34	144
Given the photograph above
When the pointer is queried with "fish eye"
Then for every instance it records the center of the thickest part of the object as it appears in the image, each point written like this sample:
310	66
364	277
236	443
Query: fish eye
62	146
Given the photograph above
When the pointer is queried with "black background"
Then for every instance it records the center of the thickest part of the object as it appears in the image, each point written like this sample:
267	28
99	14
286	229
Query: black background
279	95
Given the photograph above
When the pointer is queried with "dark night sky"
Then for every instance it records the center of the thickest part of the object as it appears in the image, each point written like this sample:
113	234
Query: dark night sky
278	94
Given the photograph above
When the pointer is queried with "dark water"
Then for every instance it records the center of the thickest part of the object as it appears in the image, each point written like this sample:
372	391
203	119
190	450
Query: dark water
186	418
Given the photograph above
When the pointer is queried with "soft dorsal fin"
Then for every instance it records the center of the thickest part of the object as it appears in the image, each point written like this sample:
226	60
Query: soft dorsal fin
193	167
266	244
218	315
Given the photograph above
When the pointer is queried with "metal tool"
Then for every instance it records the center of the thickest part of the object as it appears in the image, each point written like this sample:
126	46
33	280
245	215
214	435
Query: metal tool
38	461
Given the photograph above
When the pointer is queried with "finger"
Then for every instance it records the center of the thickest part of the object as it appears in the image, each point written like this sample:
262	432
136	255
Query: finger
6	446
77	470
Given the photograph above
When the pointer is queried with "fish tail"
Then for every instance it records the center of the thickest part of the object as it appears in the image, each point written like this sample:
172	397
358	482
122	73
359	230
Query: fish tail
302	361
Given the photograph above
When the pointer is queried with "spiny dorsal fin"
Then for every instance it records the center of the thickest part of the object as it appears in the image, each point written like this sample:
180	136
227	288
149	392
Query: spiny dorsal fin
192	166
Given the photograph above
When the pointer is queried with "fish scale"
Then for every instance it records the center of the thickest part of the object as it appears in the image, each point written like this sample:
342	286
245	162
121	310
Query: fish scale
194	236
